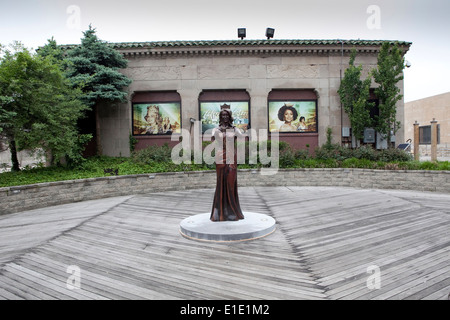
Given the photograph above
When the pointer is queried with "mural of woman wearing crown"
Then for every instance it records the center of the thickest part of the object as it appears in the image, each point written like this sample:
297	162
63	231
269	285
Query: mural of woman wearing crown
154	120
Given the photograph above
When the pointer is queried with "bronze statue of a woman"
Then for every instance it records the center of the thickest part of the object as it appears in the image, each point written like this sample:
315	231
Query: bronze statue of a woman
226	205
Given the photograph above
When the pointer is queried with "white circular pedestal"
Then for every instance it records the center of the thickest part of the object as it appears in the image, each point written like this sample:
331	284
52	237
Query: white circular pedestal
253	226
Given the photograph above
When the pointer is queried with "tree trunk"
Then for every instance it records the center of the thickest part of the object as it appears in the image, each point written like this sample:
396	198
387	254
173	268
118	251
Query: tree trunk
14	159
97	129
389	137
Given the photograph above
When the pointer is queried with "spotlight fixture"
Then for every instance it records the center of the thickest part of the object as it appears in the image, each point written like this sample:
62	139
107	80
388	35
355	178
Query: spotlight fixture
269	33
242	33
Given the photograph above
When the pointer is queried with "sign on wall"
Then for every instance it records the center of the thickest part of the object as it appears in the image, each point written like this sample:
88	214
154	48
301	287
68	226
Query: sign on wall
156	118
209	114
293	116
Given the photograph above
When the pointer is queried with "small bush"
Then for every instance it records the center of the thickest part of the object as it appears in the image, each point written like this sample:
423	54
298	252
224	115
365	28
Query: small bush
332	151
389	155
444	165
153	154
287	158
365	152
337	152
359	163
302	154
427	165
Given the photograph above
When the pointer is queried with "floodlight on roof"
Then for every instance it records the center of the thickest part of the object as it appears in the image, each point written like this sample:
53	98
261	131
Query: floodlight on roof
242	33
269	33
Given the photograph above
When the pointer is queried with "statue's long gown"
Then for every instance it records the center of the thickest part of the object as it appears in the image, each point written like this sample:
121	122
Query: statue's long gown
226	205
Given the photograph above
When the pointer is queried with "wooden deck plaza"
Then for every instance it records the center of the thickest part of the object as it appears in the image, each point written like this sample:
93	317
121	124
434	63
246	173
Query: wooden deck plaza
330	243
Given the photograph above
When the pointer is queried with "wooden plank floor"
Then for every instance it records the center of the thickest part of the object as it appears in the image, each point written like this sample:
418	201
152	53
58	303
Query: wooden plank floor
326	242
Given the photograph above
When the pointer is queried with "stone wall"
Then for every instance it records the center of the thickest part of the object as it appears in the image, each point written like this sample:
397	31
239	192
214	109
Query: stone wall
16	199
442	151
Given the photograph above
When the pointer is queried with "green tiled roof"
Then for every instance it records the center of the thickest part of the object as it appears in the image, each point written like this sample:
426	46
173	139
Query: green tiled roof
271	42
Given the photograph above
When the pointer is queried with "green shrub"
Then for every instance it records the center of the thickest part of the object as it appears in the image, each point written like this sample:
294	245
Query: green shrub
153	154
444	165
332	151
287	158
329	144
337	152
133	142
302	154
364	152
359	163
427	165
307	163
389	155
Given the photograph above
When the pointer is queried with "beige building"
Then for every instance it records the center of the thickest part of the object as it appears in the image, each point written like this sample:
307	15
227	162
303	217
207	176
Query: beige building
424	111
178	83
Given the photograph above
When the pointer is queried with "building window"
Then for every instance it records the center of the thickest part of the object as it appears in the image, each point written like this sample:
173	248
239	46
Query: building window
293	111
425	134
156	113
211	100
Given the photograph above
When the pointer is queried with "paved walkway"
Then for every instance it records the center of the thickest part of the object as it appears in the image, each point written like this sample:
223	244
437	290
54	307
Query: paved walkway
330	243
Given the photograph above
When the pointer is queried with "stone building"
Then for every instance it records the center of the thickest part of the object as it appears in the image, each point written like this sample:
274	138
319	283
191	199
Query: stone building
424	111
180	82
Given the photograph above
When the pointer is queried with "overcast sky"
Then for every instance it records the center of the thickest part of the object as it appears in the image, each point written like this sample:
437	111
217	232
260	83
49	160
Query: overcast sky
424	23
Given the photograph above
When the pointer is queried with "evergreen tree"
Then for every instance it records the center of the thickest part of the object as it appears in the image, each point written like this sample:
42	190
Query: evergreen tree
354	95
94	66
388	73
53	52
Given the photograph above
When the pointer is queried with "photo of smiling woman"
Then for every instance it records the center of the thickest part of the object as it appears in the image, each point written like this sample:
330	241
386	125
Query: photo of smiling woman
293	116
288	114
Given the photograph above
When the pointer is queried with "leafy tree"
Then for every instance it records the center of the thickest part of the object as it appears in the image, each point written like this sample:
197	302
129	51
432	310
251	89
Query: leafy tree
70	144
388	73
94	66
38	107
354	95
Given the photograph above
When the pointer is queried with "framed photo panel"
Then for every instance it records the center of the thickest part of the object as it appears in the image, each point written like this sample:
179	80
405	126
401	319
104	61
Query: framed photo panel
209	114
293	116
156	118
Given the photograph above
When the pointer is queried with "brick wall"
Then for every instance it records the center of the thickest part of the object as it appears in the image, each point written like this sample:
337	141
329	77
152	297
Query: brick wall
16	199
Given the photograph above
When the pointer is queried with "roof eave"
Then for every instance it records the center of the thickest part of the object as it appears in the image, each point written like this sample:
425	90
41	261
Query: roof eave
251	47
